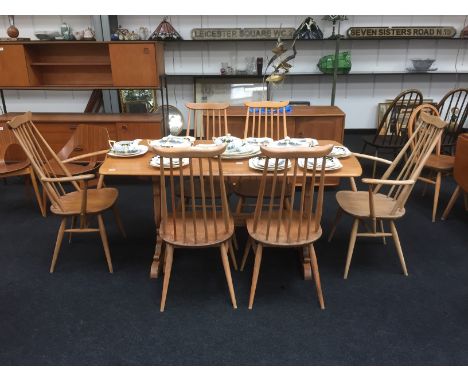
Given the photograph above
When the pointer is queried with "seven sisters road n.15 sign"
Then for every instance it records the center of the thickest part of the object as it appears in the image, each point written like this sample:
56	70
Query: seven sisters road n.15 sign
401	32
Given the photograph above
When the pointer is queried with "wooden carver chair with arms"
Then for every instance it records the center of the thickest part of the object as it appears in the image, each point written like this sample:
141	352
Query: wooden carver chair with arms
92	142
391	134
453	109
263	119
460	174
375	207
187	226
17	168
80	203
295	227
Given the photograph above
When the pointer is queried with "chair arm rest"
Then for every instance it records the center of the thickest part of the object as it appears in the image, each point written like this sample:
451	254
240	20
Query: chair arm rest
371	157
69	178
74	159
387	181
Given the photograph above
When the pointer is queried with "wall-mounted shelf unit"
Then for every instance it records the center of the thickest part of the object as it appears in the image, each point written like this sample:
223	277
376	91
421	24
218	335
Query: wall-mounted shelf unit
78	65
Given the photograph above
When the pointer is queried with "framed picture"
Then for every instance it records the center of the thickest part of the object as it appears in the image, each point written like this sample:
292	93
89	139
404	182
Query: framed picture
137	100
403	117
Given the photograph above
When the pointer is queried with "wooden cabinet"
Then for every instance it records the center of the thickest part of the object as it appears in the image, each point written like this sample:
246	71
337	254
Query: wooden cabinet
13	69
57	128
80	64
135	64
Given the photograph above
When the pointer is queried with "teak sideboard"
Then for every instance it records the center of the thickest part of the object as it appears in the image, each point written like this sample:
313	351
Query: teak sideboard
57	128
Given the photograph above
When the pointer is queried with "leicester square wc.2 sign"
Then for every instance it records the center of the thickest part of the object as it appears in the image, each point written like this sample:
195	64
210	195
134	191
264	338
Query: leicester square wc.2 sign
242	33
401	32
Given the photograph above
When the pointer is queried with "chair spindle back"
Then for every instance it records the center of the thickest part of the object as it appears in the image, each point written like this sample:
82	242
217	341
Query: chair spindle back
188	224
453	108
413	155
208	119
392	129
266	119
291	225
39	152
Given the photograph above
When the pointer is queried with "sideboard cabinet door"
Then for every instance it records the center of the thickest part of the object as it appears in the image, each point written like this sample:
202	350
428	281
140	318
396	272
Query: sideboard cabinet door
134	65
13	68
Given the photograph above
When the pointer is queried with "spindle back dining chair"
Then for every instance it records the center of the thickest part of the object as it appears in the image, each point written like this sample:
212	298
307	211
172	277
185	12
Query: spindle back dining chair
263	119
374	207
80	202
391	134
196	223
207	120
16	168
298	226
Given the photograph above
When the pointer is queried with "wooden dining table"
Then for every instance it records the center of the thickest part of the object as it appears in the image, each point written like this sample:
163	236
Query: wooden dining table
234	168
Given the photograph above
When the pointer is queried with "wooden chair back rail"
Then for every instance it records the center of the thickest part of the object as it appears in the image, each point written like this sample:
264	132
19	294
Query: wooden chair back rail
204	222
453	108
266	120
390	131
39	153
417	150
214	115
307	220
7	139
88	138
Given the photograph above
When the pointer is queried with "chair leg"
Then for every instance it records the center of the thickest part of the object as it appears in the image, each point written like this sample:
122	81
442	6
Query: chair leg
246	253
234	241
436	195
452	201
352	241
37	193
167	274
396	239
364	148
232	253
256	270
339	214
58	243
105	243
240	204
374	164
227	271
315	271
383	231
44	202
72	225
119	221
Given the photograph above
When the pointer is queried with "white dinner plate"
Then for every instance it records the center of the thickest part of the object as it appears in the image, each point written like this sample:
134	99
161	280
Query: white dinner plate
330	164
258	141
142	149
156	162
258	163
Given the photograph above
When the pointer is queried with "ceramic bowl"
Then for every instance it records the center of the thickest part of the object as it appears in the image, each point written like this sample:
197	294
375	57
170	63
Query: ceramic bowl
425	64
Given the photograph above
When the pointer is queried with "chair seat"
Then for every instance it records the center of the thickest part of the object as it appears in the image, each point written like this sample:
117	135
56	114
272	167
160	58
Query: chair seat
167	231
260	234
357	204
73	168
98	200
7	168
383	142
440	162
248	187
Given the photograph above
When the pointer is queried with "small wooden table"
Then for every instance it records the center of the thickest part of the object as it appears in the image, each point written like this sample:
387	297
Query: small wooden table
139	166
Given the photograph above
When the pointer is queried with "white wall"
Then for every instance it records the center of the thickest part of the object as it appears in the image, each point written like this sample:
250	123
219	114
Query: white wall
357	95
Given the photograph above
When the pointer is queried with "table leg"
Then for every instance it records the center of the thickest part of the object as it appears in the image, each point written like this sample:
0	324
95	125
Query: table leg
156	264
305	262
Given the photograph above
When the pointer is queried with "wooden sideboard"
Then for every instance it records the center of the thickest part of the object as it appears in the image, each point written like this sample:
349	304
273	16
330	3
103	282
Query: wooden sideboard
57	128
80	64
319	122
